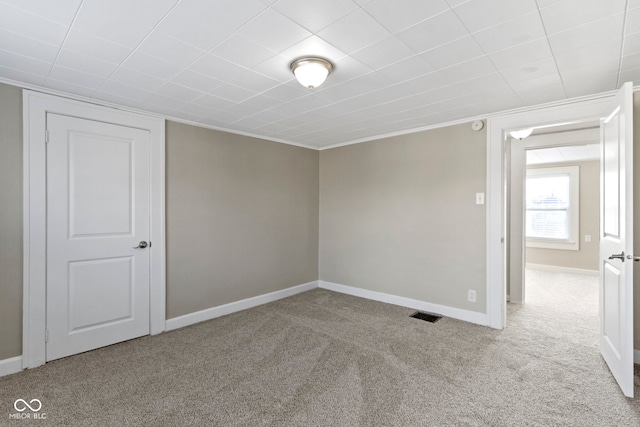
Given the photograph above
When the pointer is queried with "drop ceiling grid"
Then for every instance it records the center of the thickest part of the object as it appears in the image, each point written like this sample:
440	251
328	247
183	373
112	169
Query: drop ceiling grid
171	57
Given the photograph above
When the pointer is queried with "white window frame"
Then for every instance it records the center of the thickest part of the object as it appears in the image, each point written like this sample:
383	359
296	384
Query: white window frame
573	242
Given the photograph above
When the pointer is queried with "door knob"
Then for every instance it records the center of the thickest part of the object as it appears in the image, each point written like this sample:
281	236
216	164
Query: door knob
141	245
619	256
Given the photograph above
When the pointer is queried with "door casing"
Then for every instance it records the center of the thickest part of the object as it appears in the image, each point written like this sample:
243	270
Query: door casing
35	107
497	234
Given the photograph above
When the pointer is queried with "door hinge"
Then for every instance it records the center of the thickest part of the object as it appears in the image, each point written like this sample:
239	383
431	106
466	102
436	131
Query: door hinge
46	335
46	136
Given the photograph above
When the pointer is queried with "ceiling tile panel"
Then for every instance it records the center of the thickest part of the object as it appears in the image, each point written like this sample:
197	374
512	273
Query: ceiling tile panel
24	63
273	30
542	94
205	23
467	70
137	79
73	76
216	68
398	64
521	55
151	65
27	24
531	70
254	82
383	53
346	68
122	90
21	76
477	15
566	14
86	64
196	81
96	47
314	16
588	34
313	46
342	35
122	21
631	62
69	87
586	86
242	51
434	32
232	93
179	92
592	56
511	33
407	69
396	16
363	84
633	21
26	46
63	12
170	49
285	92
453	53
213	102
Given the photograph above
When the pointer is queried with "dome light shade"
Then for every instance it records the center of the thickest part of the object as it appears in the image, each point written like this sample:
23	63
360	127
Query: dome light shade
311	72
521	134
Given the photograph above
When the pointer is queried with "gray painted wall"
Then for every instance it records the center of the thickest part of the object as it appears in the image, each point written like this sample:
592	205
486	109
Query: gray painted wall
420	186
586	257
242	217
10	221
398	215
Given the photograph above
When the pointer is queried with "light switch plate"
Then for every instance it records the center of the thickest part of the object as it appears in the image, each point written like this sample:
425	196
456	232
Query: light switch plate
479	198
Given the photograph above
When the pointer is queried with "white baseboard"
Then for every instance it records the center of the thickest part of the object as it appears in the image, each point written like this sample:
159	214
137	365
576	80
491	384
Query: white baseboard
558	269
455	313
10	366
223	310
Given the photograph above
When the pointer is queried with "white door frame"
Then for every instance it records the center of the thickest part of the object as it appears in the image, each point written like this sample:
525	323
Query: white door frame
35	107
497	128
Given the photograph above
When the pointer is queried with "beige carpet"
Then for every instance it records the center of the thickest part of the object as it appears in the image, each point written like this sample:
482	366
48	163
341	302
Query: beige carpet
326	359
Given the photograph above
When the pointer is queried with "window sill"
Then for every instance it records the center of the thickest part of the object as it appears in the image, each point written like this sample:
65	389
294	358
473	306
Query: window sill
546	244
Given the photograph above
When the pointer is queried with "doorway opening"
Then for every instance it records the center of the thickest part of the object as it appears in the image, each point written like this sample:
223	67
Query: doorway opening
554	202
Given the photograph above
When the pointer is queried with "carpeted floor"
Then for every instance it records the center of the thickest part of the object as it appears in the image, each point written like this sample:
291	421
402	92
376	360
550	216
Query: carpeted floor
326	359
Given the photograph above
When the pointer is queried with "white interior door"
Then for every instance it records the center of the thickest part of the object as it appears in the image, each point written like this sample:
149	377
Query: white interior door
97	212
616	239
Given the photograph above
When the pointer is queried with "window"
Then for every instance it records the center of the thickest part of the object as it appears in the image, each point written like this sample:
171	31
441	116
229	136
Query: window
552	208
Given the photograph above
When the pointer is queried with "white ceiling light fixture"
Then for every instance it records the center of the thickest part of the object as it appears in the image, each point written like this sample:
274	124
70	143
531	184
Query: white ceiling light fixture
311	72
521	134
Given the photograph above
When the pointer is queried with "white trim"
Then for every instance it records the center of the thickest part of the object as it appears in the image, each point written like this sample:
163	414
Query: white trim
328	147
497	115
559	269
233	307
103	103
35	107
568	112
455	313
10	366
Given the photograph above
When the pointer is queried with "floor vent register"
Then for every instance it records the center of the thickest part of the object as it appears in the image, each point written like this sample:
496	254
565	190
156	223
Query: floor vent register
427	317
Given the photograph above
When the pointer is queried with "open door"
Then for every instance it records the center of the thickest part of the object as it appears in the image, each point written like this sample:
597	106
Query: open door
616	239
